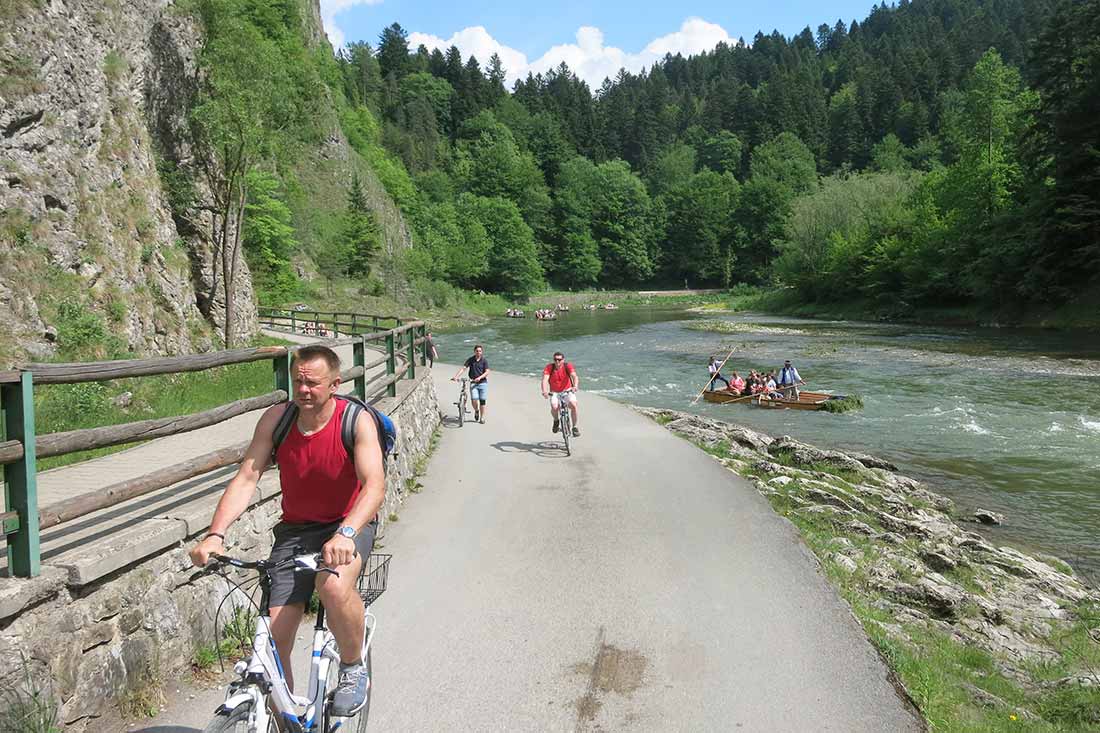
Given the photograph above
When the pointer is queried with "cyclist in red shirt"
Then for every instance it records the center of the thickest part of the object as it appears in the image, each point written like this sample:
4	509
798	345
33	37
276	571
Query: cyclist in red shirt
559	376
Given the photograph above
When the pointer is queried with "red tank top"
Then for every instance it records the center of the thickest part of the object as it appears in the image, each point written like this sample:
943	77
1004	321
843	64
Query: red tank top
318	479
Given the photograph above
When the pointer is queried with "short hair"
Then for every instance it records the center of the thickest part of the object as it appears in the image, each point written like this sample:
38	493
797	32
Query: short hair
316	351
558	353
478	346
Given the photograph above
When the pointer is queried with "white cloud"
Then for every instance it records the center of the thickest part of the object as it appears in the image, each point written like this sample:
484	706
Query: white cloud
588	57
330	9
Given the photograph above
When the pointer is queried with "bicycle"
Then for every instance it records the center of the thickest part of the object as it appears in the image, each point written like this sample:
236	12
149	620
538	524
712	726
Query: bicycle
260	701
565	417
463	396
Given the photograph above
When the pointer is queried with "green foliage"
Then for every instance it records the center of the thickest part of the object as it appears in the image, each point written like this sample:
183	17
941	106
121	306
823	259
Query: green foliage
785	161
834	238
82	332
846	404
624	224
269	240
513	258
702	237
361	238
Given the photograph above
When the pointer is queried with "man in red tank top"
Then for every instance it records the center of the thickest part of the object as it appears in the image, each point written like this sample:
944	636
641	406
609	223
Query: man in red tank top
330	503
560	376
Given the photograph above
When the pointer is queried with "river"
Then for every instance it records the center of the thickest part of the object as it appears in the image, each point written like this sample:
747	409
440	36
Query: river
1002	419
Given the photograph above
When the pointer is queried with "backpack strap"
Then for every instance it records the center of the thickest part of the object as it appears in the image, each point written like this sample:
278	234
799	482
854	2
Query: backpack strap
347	423
282	428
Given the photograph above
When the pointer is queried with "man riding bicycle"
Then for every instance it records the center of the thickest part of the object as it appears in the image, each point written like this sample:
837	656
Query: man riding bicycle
560	376
478	368
330	503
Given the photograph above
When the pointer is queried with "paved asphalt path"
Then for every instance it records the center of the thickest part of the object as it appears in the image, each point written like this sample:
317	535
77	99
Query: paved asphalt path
635	586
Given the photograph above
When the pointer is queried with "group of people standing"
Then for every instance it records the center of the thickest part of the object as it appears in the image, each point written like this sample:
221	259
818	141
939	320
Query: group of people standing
766	384
559	383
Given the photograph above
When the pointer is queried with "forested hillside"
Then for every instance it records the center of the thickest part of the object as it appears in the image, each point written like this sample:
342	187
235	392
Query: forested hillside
935	151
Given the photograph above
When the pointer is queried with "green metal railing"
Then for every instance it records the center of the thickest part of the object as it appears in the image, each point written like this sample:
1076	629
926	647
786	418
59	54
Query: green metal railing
22	520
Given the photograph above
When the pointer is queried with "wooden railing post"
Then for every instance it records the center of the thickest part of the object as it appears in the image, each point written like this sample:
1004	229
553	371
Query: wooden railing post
354	324
20	478
391	364
293	321
424	346
374	322
410	373
281	368
359	350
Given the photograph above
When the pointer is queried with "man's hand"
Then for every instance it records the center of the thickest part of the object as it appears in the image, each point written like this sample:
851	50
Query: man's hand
200	553
338	551
545	394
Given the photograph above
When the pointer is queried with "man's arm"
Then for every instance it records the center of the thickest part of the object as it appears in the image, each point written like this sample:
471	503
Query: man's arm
238	492
576	381
545	384
458	372
340	550
484	375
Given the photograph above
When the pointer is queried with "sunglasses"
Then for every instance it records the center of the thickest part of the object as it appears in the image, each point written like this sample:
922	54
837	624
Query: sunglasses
558	358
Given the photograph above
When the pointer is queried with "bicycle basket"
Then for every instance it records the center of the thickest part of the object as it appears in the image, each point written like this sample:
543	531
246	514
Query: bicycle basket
372	583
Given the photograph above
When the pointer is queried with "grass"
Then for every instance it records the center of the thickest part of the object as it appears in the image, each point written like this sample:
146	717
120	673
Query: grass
74	406
27	704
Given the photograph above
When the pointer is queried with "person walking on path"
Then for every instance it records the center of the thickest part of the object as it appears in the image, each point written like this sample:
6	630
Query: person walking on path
789	380
432	353
330	503
478	368
714	368
559	376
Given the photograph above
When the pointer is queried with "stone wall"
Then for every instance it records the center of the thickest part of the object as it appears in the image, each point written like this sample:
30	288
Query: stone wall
95	646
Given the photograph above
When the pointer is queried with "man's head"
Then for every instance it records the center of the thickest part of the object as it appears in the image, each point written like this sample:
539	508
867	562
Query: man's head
478	351
315	375
787	363
559	360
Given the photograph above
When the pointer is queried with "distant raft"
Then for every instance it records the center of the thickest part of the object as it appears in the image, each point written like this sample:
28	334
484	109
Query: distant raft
805	401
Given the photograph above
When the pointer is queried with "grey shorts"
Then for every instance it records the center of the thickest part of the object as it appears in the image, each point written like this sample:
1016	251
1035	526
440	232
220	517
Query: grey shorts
288	586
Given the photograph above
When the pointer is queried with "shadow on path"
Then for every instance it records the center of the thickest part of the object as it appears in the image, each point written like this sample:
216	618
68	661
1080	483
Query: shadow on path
167	729
544	449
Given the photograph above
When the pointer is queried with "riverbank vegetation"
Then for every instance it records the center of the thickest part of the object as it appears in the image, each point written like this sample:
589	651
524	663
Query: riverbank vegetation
981	638
934	155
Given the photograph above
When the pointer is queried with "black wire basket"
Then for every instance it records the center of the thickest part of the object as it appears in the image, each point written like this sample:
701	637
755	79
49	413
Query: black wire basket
372	583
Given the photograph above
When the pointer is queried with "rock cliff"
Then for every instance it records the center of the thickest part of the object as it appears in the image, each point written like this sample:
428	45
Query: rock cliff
94	103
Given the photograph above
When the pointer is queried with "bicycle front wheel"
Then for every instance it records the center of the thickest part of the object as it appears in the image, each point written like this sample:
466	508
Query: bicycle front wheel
566	430
236	721
462	408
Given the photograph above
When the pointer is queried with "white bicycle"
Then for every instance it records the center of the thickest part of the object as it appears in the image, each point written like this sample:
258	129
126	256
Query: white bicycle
565	417
260	700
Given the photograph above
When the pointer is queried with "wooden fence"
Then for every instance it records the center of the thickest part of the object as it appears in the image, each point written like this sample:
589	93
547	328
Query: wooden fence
395	343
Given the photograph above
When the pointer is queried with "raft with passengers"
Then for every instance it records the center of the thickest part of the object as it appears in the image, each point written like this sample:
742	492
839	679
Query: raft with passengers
771	391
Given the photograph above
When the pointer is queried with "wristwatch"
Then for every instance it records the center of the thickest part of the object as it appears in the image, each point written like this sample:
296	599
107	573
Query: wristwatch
348	532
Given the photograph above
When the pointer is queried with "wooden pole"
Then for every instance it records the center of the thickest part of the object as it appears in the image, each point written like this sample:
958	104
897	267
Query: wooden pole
711	380
391	364
20	478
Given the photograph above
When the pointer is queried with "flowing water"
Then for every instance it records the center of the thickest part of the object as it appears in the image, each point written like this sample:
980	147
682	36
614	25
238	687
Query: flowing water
1002	419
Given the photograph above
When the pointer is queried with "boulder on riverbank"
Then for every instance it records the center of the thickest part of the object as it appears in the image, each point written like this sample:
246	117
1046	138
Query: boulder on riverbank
919	582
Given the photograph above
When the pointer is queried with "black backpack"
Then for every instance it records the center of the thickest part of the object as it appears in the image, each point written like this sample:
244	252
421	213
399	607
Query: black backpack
387	431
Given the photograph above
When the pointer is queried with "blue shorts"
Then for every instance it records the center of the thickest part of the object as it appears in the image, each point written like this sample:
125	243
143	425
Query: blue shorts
479	390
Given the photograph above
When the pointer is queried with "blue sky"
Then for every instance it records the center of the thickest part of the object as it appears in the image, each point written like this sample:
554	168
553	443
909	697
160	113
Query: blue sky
594	38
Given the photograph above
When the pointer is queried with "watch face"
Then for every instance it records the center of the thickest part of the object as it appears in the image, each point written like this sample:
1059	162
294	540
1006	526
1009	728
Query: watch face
347	532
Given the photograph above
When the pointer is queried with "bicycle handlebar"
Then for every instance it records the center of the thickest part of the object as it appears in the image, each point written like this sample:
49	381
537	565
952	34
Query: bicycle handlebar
313	561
